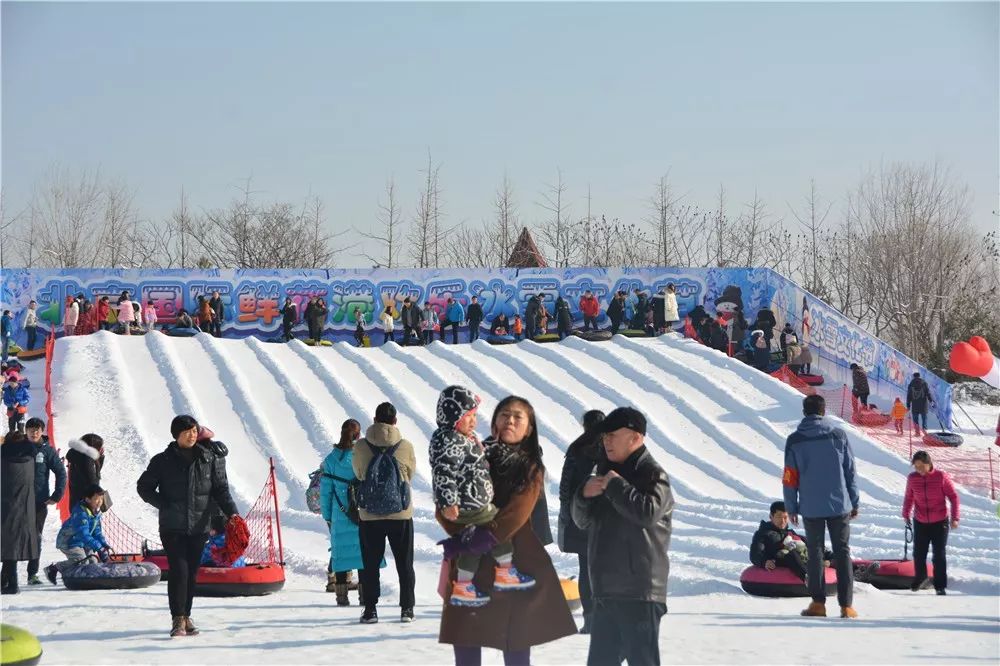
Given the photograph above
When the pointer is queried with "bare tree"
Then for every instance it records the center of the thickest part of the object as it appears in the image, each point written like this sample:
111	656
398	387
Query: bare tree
717	247
503	232
662	219
389	235
812	222
558	233
754	224
425	232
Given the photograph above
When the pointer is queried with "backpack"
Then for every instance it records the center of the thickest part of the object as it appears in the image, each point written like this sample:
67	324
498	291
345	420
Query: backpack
383	490
313	493
918	390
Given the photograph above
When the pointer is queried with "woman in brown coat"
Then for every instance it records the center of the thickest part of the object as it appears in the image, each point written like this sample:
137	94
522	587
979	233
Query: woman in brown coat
512	621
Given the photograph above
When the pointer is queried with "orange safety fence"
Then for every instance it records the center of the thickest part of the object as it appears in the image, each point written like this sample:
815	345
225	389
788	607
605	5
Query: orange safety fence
973	468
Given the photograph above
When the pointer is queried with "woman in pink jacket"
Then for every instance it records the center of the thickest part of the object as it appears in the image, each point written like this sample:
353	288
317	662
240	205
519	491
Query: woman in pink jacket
926	491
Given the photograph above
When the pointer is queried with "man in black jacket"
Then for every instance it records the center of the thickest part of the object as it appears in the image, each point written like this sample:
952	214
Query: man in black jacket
531	312
626	510
46	462
918	399
775	544
616	311
475	317
289	313
410	316
216	304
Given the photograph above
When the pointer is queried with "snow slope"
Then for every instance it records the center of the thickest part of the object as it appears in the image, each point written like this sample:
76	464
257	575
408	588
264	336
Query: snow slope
717	425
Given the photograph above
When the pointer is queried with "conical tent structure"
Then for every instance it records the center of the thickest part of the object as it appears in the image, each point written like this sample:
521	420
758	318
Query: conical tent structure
525	253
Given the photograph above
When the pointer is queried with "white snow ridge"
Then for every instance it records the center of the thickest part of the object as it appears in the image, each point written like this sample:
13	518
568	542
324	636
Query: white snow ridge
716	425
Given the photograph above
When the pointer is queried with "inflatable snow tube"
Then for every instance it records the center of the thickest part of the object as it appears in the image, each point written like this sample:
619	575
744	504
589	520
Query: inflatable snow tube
112	576
780	582
889	574
633	333
183	332
547	337
870	417
29	355
253	580
501	339
593	336
811	380
321	343
942	438
18	647
571	590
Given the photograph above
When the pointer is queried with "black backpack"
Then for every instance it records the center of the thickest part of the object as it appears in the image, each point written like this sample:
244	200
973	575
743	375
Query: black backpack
383	490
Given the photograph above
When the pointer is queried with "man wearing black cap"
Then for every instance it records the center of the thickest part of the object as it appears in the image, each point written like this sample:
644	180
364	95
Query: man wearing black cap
626	511
46	461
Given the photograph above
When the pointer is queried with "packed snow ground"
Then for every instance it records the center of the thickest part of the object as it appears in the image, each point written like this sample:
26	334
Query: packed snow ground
717	425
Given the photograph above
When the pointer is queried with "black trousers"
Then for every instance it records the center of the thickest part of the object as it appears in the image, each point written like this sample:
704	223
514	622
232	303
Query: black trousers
473	330
184	559
793	561
934	535
454	331
840	539
41	511
428	335
8	574
589	322
628	630
374	534
407	334
615	325
586	593
32	332
217	328
286	329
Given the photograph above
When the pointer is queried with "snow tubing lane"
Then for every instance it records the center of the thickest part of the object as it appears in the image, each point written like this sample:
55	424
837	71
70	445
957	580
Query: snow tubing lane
501	339
571	590
18	647
811	380
888	574
780	582
942	438
593	336
183	332
253	580
112	576
26	355
867	417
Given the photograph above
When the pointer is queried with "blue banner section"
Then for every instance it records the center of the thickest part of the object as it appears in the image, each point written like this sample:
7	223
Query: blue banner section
253	299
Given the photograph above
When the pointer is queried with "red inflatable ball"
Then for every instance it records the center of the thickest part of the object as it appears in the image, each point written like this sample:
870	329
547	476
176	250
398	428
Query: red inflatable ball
973	358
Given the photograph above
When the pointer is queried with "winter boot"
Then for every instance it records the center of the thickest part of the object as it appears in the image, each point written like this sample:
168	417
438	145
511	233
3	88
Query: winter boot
341	590
848	612
815	609
370	616
509	578
467	594
178	627
50	573
190	628
331	582
352	584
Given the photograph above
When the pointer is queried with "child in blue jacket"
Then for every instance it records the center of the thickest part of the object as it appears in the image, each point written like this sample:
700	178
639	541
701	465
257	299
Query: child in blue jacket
80	538
16	399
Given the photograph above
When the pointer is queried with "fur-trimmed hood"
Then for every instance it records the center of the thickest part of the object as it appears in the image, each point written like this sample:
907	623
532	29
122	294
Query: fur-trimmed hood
82	447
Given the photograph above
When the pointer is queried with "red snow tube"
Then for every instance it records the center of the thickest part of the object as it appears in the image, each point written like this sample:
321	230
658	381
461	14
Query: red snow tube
811	380
889	574
870	417
250	581
942	438
780	582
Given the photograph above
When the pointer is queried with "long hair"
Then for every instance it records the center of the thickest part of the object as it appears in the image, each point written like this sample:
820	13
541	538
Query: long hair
349	433
527	461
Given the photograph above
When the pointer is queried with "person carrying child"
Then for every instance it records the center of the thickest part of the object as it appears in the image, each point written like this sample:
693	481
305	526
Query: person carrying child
898	413
80	538
463	493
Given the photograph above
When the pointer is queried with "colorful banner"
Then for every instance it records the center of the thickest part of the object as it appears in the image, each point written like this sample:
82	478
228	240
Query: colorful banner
253	299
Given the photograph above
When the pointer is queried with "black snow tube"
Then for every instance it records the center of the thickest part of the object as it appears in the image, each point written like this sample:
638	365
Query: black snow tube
942	438
501	339
593	336
547	337
633	333
780	582
112	576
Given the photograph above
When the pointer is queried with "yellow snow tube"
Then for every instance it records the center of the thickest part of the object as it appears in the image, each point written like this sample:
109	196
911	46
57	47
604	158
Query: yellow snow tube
18	647
571	590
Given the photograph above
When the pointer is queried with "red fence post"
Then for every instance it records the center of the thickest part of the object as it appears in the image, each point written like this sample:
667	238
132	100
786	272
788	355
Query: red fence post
277	519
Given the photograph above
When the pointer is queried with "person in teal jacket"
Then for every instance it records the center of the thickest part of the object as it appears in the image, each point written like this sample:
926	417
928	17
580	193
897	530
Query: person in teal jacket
345	544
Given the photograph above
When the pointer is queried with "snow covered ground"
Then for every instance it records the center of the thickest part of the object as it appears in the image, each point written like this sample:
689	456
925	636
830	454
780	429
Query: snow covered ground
717	425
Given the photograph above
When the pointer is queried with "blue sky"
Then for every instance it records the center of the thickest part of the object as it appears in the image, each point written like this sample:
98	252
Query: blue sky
335	98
